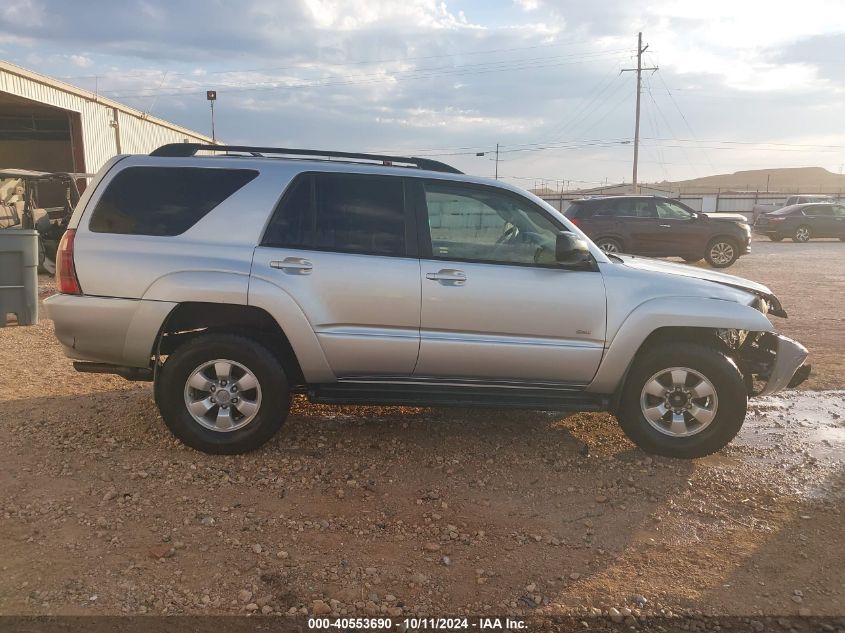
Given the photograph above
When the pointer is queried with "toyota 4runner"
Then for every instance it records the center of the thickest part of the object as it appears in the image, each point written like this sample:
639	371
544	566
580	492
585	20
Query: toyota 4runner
234	277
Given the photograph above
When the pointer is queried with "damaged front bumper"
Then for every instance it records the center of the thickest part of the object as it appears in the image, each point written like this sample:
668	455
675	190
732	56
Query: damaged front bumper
774	359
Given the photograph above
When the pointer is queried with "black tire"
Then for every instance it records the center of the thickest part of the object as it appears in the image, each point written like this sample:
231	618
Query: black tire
609	245
171	384
721	245
722	373
776	238
691	259
802	234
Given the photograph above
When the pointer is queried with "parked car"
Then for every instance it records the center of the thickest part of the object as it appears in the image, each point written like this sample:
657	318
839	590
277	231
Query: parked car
661	227
763	208
235	281
803	222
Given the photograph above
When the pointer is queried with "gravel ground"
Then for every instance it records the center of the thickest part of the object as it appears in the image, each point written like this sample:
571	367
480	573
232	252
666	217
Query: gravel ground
355	510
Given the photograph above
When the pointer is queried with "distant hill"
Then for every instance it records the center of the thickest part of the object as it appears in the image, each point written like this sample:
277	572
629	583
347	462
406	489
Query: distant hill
786	179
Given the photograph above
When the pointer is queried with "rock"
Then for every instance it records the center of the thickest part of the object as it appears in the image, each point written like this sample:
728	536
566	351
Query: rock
245	595
252	607
797	599
446	561
256	548
530	588
574	575
431	547
318	607
601	499
615	615
639	600
282	554
111	494
266	609
394	612
162	551
347	595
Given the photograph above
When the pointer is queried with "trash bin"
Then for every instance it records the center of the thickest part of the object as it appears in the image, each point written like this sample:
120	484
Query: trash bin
19	276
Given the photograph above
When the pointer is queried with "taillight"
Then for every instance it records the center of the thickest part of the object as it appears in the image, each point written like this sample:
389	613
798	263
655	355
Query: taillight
65	268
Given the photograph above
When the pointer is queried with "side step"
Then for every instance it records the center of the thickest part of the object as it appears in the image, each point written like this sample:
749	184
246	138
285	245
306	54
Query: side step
129	373
433	395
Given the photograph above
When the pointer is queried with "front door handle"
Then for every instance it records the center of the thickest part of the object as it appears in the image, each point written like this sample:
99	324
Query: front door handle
666	226
293	265
448	276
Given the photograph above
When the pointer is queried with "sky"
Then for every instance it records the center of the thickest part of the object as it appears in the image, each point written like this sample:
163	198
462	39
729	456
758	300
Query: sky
740	84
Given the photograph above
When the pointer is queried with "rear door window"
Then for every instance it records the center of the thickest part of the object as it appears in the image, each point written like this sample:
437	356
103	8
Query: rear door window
347	213
163	201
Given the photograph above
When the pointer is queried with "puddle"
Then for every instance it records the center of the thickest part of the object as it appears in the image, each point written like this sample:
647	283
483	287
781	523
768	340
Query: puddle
812	422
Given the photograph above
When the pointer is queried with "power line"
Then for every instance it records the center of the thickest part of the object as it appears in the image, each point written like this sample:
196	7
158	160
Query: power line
364	62
381	77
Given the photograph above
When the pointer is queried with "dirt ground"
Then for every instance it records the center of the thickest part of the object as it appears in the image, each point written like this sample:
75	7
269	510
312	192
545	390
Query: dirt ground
425	511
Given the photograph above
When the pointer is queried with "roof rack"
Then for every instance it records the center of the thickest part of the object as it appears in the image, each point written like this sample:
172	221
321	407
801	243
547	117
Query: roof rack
184	150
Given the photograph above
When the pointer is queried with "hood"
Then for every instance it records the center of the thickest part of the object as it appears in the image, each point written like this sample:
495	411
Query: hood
727	217
704	274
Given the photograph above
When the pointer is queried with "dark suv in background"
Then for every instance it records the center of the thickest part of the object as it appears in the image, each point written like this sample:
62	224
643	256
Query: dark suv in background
661	227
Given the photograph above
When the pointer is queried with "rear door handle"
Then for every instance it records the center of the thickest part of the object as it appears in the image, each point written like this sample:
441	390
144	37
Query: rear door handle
448	276
666	226
293	265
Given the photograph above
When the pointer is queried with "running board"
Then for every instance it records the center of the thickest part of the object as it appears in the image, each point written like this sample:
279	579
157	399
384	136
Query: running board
433	395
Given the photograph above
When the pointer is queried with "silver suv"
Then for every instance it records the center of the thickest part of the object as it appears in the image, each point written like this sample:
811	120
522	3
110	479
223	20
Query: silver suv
234	277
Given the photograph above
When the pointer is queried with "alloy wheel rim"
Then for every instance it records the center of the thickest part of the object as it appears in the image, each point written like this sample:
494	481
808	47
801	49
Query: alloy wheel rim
222	395
802	234
722	252
679	401
609	247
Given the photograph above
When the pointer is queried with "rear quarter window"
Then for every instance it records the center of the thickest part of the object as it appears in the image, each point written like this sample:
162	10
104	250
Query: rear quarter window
163	201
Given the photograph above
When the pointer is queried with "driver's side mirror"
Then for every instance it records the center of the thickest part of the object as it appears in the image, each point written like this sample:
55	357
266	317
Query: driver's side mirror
571	250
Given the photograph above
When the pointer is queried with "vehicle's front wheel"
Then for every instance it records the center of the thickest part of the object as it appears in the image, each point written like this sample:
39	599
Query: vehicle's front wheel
721	252
222	394
683	400
609	245
802	234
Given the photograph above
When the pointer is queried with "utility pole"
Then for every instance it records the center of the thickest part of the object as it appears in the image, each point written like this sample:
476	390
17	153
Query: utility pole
497	161
639	69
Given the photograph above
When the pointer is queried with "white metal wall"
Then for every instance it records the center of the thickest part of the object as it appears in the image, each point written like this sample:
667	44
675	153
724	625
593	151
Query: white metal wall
139	134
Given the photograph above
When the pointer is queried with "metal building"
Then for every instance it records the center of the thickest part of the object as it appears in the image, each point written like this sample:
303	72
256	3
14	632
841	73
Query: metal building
48	125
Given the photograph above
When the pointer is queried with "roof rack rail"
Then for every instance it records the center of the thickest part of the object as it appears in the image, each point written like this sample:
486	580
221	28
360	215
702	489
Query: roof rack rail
184	150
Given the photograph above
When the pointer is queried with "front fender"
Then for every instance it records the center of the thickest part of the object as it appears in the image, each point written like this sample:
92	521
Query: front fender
663	312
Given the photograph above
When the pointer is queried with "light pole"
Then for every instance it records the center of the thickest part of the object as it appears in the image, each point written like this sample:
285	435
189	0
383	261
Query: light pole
211	97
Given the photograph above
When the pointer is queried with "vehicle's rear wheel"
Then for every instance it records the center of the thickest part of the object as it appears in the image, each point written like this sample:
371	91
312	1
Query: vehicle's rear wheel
609	245
683	400
802	234
776	238
222	394
721	252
